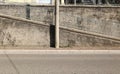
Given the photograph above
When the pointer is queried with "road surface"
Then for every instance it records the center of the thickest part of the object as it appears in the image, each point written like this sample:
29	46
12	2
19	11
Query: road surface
59	64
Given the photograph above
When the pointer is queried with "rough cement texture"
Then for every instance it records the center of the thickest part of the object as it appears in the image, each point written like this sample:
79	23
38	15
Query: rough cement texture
97	19
21	33
14	10
17	32
77	39
59	64
42	14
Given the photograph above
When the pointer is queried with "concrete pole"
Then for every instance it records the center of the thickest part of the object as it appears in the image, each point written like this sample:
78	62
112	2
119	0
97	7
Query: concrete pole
74	2
62	2
57	23
82	0
94	2
53	2
100	2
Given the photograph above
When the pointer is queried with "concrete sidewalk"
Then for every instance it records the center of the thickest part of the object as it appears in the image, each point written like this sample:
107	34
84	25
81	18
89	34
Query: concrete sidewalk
59	64
64	61
61	51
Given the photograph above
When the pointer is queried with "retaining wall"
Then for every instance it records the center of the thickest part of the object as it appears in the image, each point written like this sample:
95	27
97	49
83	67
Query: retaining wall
97	19
16	32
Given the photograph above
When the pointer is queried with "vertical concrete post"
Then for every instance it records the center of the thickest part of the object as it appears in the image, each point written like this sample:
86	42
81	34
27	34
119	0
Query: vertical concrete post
100	2
82	1
62	2
57	23
74	2
94	2
53	2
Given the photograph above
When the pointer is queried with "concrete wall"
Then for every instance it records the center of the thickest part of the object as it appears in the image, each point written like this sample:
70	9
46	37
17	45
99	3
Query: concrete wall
71	38
102	20
16	32
97	19
23	33
13	10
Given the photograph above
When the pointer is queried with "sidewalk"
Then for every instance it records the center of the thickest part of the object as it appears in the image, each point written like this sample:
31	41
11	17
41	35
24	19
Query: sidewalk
66	51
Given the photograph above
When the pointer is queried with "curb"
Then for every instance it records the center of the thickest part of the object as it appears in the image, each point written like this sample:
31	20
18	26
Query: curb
64	52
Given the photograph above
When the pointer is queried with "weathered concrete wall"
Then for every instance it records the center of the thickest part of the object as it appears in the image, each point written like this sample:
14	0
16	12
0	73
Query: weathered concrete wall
23	33
102	20
17	32
96	19
78	38
13	10
42	13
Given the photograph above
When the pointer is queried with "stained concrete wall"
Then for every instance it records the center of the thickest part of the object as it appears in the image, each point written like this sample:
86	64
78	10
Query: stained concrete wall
102	20
16	32
23	33
13	10
71	38
97	19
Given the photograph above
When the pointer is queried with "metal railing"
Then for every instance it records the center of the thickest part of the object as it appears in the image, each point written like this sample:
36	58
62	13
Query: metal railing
76	2
92	2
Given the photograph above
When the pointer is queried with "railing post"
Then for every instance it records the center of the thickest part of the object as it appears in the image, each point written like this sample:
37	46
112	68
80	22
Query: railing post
53	2
28	11
62	2
100	2
66	2
74	2
57	24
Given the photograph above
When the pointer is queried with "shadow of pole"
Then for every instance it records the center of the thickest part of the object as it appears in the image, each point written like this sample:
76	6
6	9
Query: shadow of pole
52	35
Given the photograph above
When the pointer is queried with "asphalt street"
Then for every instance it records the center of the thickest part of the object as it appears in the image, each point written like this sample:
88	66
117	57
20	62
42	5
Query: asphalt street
59	64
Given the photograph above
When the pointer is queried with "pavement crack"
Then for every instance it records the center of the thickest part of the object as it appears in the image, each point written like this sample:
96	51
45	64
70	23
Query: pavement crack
12	63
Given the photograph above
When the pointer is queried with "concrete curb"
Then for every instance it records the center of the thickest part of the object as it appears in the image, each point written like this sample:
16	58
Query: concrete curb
60	52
